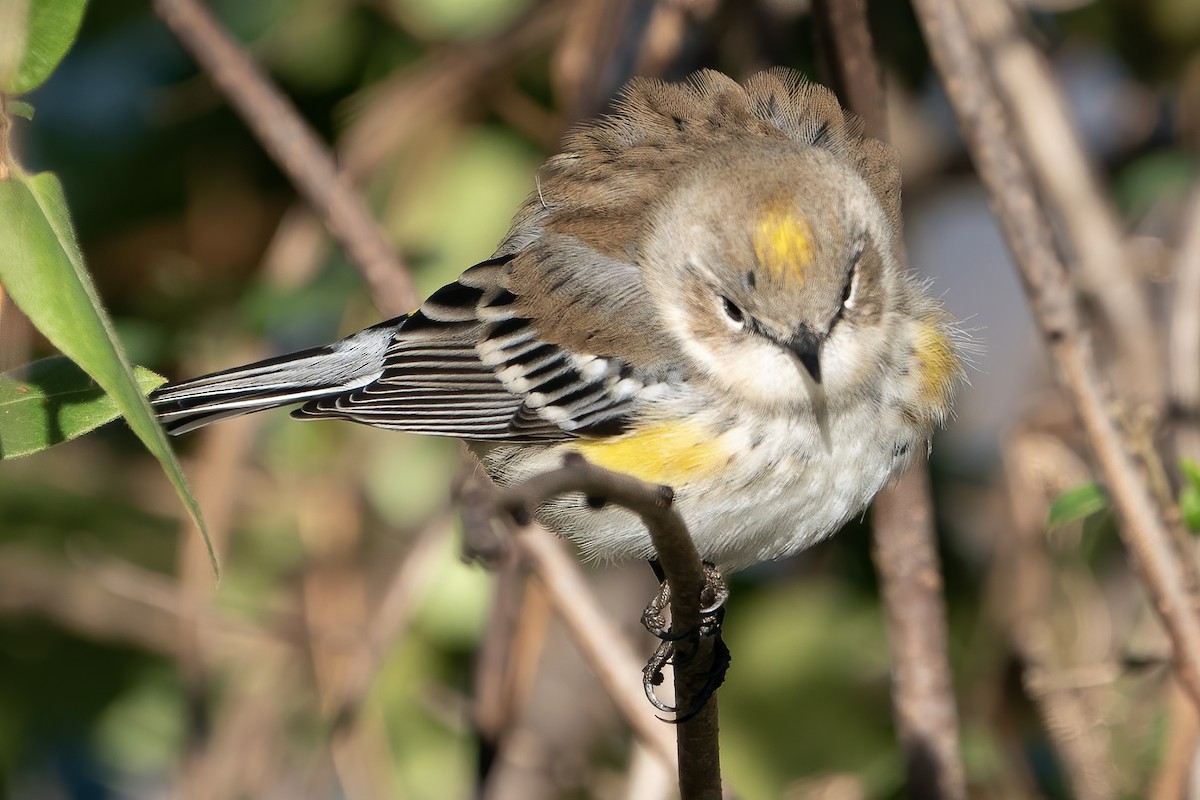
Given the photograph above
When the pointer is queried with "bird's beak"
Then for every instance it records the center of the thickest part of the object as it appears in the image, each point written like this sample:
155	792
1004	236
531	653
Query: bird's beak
806	344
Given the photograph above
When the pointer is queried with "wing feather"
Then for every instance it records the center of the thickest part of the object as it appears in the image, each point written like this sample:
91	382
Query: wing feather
469	365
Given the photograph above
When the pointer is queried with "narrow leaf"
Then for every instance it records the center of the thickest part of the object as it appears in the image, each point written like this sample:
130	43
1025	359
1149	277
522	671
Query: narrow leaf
1076	504
42	268
19	108
50	30
52	401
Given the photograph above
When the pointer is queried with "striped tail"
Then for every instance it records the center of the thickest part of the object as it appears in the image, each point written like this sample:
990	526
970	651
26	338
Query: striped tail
284	380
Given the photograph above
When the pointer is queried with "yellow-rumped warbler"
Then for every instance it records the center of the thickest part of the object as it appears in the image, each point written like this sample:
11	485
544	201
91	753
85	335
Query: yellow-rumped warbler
702	292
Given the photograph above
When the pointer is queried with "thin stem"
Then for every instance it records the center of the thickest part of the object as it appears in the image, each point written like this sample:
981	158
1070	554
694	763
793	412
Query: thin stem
905	555
697	743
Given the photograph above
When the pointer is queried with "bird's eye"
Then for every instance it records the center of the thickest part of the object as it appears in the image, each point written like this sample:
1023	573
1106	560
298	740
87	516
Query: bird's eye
734	313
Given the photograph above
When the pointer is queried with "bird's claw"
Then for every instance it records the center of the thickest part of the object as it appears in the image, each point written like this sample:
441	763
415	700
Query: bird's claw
678	647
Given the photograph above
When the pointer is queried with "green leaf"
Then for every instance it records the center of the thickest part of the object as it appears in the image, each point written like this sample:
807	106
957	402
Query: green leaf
49	31
1189	496
52	401
19	108
43	271
1076	504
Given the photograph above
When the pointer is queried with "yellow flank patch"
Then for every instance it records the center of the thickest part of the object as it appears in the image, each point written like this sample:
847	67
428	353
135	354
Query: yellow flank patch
938	364
783	244
671	453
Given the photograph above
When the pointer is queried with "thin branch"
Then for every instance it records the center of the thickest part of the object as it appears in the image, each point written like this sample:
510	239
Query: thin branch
905	555
220	459
296	149
854	72
1054	304
437	86
905	541
699	755
1073	192
697	745
600	641
597	637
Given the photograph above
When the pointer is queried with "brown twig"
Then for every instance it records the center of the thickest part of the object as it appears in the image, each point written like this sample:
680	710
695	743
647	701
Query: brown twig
905	543
905	554
697	745
222	453
1054	303
601	642
438	86
854	73
5	127
596	636
295	148
1072	191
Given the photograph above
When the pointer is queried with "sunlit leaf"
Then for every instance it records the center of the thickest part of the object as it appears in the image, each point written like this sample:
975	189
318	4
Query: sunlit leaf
1077	504
50	29
52	401
43	271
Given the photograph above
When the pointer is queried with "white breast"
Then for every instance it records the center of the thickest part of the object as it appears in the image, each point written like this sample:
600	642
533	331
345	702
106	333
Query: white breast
788	484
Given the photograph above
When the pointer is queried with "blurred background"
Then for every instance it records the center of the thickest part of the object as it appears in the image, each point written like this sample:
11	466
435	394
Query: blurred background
348	650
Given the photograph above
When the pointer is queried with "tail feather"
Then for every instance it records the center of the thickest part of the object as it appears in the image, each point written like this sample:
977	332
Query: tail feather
279	381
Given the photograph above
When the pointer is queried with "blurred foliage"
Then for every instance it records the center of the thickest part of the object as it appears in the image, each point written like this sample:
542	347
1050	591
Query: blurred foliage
177	208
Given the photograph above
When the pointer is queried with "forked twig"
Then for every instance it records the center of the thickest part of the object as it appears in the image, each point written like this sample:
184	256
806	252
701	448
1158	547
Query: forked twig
696	745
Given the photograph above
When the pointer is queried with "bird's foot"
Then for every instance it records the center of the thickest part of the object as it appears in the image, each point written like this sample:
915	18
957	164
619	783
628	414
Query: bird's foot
679	647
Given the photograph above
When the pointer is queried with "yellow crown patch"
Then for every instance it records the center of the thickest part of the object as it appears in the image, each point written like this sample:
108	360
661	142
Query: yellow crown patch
783	244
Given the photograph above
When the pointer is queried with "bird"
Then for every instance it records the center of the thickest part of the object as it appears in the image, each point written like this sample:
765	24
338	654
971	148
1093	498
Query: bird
704	290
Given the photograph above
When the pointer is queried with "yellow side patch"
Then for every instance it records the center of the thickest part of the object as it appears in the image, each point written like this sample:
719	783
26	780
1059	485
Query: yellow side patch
672	453
783	244
938	364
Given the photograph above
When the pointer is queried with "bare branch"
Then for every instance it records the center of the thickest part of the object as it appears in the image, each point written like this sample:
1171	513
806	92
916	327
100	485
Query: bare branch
1072	191
855	74
1054	303
601	642
296	149
697	746
905	554
905	544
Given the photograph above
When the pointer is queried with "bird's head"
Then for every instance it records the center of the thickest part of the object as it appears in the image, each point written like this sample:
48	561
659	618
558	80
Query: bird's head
775	271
